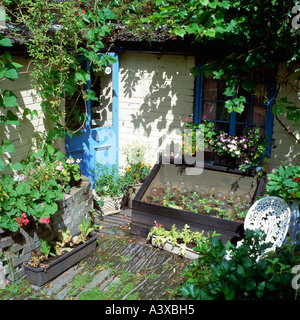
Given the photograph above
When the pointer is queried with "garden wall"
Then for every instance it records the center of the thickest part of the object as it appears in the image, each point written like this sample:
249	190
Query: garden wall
156	94
15	248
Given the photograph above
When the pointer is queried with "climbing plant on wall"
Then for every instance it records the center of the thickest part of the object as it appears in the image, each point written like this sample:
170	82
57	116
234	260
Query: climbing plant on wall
56	34
8	100
251	32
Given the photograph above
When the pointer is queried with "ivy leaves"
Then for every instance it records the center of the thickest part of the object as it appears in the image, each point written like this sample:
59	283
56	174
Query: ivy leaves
8	100
255	32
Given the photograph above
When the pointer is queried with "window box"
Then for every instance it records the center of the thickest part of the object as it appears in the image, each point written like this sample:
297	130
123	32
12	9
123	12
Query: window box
40	276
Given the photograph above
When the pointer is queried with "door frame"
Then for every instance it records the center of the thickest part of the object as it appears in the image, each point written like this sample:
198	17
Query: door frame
85	146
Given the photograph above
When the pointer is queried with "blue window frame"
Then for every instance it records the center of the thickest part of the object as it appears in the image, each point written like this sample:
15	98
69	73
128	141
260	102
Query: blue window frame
210	105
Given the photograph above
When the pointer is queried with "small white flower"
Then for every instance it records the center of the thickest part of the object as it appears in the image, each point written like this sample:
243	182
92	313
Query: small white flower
78	160
70	160
108	70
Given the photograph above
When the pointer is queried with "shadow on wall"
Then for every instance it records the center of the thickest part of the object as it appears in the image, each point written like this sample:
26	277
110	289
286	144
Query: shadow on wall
286	146
26	135
159	90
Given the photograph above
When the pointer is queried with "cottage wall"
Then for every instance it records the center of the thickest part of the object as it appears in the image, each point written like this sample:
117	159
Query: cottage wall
156	95
285	149
25	136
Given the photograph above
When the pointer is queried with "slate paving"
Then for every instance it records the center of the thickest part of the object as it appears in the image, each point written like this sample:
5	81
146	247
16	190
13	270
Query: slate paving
123	267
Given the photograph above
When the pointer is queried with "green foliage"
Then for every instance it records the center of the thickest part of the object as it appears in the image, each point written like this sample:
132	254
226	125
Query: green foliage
137	170
64	242
76	28
249	274
85	228
247	45
108	182
45	248
8	70
35	189
182	238
284	182
249	148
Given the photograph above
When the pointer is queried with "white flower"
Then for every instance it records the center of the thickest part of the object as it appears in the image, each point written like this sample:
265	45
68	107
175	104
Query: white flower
78	160
70	160
108	70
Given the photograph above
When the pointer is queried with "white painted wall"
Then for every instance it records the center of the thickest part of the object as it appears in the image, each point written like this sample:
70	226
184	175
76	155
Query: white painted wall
286	150
156	95
25	136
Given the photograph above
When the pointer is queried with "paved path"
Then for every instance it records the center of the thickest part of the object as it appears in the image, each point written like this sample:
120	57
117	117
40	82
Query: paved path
122	267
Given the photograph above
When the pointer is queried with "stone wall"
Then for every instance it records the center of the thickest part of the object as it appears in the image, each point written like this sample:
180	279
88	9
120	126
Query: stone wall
15	248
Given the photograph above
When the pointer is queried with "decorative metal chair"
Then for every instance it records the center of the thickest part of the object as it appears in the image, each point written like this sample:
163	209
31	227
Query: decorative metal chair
271	215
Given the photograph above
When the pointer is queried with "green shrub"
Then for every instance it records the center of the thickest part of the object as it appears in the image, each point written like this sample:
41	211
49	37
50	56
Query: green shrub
248	275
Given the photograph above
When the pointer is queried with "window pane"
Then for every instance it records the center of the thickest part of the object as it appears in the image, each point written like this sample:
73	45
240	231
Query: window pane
245	115
76	107
102	108
261	90
222	113
241	129
222	127
75	111
259	115
221	88
210	90
209	110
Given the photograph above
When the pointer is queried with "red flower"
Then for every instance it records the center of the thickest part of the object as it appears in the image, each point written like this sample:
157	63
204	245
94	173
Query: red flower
22	220
296	179
187	119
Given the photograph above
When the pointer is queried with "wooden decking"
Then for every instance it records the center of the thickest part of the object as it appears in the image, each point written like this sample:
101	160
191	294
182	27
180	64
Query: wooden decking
122	267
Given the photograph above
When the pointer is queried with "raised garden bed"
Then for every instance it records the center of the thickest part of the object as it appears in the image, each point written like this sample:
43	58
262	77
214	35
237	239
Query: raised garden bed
224	179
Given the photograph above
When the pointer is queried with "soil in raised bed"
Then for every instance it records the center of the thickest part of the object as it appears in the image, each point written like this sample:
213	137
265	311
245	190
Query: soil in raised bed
178	203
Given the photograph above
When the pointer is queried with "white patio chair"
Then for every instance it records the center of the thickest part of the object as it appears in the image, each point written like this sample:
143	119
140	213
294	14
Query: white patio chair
271	215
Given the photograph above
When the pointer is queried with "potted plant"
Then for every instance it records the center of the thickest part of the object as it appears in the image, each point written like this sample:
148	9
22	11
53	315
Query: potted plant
136	171
177	241
56	257
109	189
285	183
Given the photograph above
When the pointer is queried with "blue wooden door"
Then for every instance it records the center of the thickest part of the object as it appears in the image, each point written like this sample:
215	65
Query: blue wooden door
98	142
